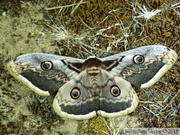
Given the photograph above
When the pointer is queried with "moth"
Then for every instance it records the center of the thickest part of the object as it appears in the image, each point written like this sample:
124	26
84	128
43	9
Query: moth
94	86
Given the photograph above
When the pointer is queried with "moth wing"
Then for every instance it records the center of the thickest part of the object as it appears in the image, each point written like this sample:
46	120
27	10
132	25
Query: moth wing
117	104
143	66
95	99
43	73
75	108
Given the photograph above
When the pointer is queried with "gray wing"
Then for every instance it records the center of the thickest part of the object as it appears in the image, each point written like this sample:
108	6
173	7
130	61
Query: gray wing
43	73
142	66
83	97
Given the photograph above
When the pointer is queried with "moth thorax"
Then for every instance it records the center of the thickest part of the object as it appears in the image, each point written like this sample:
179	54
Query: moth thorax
93	71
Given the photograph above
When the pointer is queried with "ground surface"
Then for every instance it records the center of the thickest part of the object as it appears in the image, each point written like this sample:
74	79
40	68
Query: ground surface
80	29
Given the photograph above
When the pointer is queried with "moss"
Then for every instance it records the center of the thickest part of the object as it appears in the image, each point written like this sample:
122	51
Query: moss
95	126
